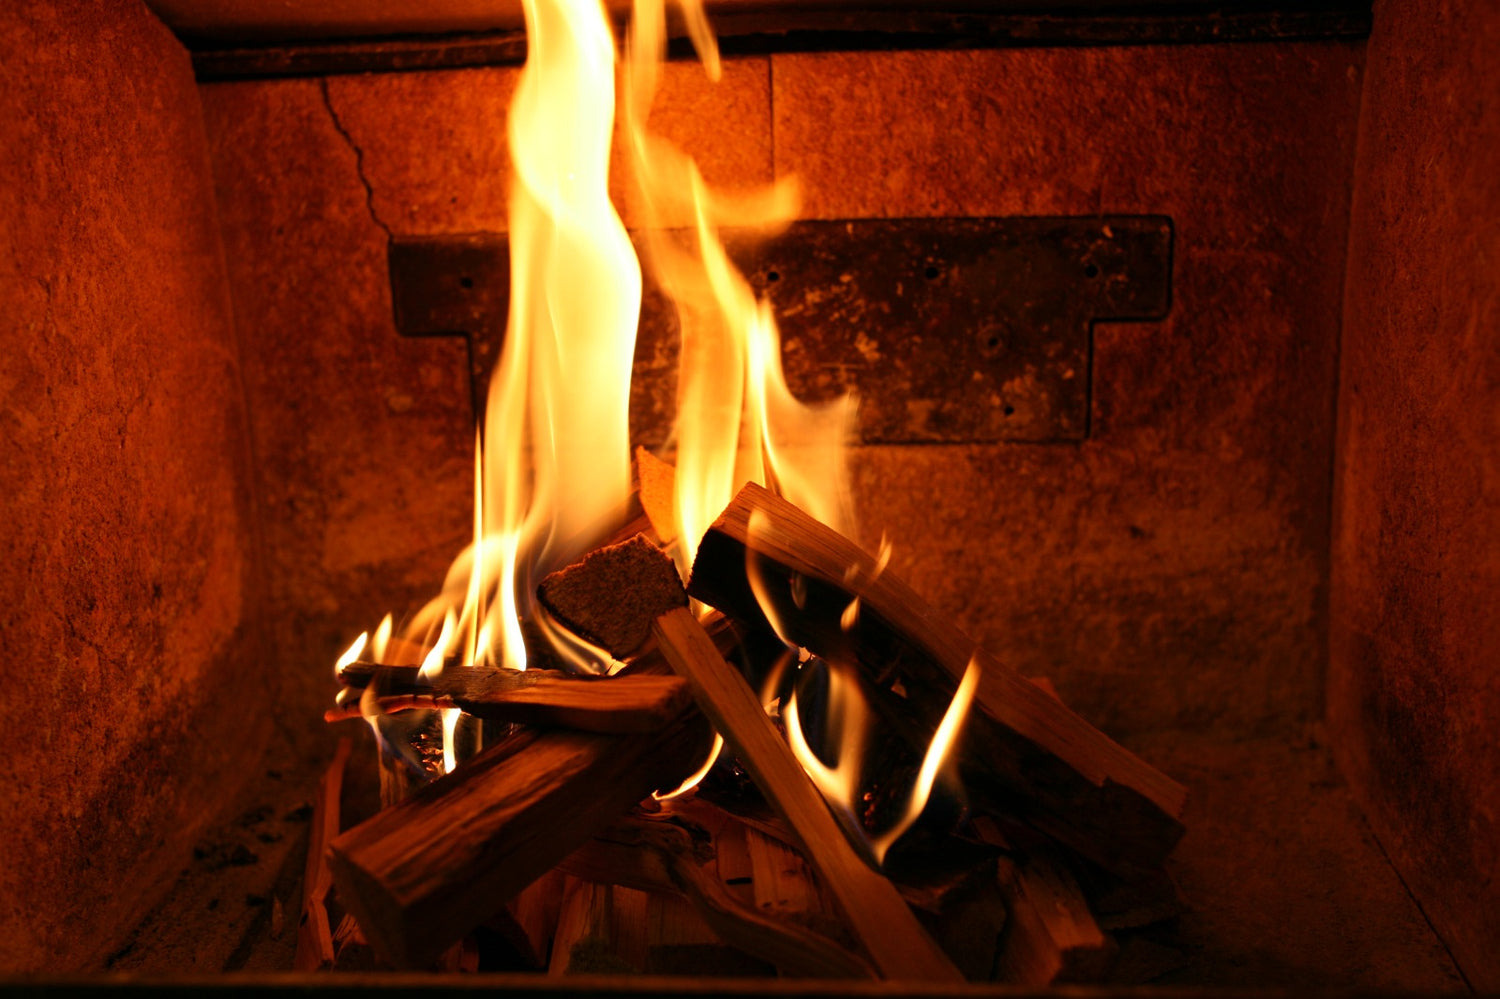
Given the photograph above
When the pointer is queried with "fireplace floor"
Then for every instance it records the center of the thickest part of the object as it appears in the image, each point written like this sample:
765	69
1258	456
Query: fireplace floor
1286	883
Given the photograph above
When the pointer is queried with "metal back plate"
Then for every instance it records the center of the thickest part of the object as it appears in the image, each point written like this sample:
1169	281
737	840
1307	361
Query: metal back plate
949	330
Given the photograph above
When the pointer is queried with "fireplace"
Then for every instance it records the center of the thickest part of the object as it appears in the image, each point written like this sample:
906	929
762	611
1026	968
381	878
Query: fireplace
1262	557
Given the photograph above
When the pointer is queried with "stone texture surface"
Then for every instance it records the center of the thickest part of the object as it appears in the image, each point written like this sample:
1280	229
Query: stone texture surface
1414	695
136	696
1285	882
1171	570
434	152
363	438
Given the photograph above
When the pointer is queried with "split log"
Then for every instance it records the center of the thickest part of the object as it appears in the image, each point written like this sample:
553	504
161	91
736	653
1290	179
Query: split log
589	597
671	855
547	698
971	925
1067	778
780	879
528	923
315	950
422	873
585	931
1051	937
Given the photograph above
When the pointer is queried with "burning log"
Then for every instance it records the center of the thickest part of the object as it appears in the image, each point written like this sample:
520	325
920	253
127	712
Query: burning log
592	598
1068	779
421	874
1052	936
611	705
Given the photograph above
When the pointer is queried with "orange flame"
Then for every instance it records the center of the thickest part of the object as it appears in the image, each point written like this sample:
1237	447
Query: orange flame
737	421
551	467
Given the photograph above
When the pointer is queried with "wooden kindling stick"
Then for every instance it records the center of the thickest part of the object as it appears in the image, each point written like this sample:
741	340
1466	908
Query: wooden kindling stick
421	874
314	934
1073	782
621	597
613	705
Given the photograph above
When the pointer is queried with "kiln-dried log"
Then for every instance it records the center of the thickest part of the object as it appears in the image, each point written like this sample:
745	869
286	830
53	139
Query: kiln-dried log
587	596
422	873
547	698
1065	776
668	855
1052	937
315	951
658	488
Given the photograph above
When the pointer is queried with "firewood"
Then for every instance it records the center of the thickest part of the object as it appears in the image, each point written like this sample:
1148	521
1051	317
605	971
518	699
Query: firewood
782	884
612	705
672	855
315	950
1051	937
422	873
528	923
1072	781
588	595
584	930
972	923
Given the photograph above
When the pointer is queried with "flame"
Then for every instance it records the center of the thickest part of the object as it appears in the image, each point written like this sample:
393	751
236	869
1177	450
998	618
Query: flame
849	720
382	639
737	421
552	461
848	724
351	653
552	457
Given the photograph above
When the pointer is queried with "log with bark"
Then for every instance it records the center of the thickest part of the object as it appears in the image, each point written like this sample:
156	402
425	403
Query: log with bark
421	874
591	597
828	595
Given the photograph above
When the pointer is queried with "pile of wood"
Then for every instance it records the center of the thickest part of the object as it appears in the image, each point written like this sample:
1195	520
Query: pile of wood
549	840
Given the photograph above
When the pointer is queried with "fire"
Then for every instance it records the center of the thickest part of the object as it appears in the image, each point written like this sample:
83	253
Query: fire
552	460
737	421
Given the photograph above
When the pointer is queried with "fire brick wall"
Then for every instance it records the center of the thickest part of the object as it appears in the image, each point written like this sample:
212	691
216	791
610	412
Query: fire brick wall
1414	693
134	696
1170	571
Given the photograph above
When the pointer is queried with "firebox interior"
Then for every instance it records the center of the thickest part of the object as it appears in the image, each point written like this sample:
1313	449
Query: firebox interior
1260	550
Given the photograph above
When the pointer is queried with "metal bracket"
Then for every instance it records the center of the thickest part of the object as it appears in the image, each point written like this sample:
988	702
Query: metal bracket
950	330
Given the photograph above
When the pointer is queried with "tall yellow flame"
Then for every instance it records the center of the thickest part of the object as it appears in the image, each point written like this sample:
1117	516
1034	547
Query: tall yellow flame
552	458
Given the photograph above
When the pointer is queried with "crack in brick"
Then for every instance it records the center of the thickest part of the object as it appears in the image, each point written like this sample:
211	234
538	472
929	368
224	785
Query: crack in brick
359	158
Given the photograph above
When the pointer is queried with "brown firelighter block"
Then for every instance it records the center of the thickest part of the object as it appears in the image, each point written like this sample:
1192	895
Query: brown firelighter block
877	916
1065	776
422	873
